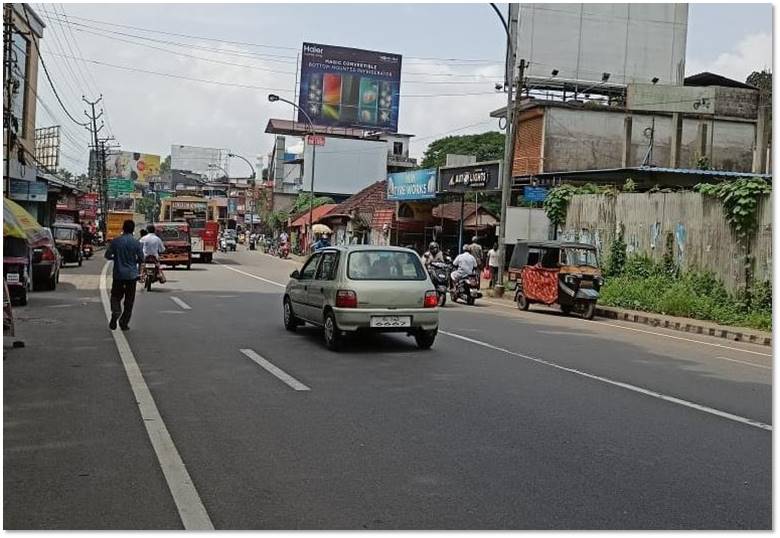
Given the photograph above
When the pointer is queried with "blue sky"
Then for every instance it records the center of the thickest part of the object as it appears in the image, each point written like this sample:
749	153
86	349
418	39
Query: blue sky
148	112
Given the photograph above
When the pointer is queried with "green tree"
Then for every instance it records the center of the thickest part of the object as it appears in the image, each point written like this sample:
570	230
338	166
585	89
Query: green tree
65	174
148	207
165	166
302	202
486	147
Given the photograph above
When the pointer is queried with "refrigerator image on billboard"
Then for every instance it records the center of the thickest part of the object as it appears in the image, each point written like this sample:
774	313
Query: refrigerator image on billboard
346	87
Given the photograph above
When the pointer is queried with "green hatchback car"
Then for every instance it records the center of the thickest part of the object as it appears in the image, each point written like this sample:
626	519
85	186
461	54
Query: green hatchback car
363	288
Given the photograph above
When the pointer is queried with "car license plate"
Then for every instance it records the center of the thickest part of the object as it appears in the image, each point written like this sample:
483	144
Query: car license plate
12	278
391	321
151	266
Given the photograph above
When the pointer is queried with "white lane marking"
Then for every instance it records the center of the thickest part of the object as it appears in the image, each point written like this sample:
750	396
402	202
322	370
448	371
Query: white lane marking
634	388
182	304
191	510
654	333
251	275
745	363
275	370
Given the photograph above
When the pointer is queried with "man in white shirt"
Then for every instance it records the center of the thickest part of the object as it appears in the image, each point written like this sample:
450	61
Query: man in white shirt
153	247
492	256
464	264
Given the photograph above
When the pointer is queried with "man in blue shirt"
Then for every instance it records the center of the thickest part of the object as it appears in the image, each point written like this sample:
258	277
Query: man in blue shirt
128	255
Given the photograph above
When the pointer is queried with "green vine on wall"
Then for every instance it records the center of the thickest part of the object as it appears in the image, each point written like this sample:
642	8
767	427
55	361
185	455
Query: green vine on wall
740	201
557	201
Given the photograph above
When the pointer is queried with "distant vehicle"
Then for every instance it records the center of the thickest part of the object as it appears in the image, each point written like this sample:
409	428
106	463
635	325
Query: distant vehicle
17	272
176	239
204	235
346	289
45	263
556	272
68	238
230	239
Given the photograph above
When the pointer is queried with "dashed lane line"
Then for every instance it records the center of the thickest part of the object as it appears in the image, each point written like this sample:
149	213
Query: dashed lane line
250	275
275	370
627	386
182	304
188	503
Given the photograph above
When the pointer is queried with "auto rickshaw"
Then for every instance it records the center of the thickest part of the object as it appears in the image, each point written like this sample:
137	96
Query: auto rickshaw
556	272
68	238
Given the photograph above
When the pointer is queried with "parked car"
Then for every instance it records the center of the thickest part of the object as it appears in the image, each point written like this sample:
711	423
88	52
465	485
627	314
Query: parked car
46	262
353	288
17	259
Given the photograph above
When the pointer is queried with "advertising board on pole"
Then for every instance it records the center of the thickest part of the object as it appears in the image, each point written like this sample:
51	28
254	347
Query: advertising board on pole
484	176
414	185
535	194
347	87
139	167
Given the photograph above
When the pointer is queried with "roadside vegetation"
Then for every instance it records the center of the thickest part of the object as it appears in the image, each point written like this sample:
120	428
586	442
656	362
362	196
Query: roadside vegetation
644	284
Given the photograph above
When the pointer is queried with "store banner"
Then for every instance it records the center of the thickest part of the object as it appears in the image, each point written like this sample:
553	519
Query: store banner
414	185
477	177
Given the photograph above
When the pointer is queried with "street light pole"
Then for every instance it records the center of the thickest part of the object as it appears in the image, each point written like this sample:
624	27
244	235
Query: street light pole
273	98
510	27
252	179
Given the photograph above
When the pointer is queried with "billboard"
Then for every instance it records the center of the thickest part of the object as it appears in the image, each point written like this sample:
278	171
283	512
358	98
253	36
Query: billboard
211	163
139	167
484	176
344	165
631	42
415	185
347	87
119	187
685	99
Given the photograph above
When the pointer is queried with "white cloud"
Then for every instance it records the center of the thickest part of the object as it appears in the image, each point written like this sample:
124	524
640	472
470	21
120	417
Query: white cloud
752	53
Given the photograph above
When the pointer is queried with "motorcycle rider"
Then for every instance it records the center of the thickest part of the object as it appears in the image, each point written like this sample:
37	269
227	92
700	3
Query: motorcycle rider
321	243
465	264
153	247
433	254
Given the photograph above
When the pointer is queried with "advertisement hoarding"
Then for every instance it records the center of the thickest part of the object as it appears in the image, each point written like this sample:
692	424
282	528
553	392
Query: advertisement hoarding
484	176
120	187
347	87
631	42
414	185
88	203
28	191
140	167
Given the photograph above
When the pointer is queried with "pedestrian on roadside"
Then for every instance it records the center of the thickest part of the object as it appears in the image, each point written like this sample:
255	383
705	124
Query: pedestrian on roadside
476	250
128	256
492	256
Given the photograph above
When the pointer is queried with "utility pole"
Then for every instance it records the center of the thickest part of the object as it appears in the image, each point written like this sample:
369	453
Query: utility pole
506	181
7	92
99	161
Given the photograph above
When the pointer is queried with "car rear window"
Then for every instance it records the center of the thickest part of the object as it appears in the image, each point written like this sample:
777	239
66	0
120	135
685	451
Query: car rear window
384	265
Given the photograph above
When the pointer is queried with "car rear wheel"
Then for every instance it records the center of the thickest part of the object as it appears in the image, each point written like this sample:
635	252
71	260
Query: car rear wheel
290	321
425	339
442	299
23	298
53	282
566	309
331	332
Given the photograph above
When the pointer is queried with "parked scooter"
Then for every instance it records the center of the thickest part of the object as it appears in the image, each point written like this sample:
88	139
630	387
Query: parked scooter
284	251
467	290
252	242
440	276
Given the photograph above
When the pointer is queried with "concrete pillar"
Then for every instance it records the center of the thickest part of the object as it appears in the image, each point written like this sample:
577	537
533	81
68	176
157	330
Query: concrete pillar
677	129
628	123
701	139
762	135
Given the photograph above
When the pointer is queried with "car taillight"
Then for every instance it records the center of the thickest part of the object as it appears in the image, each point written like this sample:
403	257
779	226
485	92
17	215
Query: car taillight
431	299
346	299
48	255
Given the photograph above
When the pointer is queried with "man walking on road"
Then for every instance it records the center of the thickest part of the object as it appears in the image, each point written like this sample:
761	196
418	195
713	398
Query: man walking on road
128	255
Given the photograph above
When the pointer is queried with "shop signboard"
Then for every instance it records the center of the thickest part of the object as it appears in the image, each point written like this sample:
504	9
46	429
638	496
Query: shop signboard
29	191
346	87
414	185
87	203
477	177
535	194
119	187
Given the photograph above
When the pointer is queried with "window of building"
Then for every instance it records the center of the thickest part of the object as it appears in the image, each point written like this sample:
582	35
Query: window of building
398	148
405	212
19	52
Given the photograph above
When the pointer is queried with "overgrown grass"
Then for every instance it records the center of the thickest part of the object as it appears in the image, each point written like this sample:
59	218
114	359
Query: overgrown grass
647	286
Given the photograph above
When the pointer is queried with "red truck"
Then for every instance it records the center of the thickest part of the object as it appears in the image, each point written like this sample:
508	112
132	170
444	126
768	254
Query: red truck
204	235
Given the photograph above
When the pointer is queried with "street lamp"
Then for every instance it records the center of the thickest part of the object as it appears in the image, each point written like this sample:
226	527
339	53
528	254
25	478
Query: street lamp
273	98
214	166
251	212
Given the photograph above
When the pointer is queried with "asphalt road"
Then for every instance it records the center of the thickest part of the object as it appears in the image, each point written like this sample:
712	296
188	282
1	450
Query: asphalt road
514	420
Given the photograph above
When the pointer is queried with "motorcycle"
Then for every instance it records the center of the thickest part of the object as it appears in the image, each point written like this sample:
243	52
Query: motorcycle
467	290
151	272
440	276
87	250
284	251
252	242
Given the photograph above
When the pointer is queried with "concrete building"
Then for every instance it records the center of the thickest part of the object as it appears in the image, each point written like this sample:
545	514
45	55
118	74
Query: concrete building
566	136
349	160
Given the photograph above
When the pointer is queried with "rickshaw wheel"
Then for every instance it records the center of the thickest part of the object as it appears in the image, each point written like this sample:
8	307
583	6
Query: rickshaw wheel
590	310
522	302
566	309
